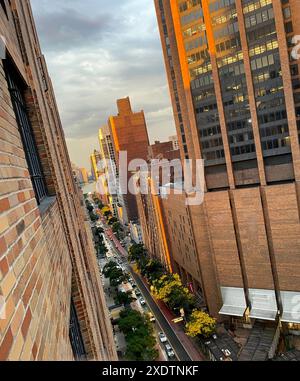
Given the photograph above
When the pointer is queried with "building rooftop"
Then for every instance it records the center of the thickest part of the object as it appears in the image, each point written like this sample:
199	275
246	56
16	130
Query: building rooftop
223	347
259	344
289	356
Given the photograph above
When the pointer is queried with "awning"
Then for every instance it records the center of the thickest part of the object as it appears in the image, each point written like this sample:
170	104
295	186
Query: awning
234	302
263	304
291	307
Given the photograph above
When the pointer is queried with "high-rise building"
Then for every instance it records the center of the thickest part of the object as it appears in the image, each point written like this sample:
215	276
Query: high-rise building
108	158
235	94
129	134
95	160
52	305
85	175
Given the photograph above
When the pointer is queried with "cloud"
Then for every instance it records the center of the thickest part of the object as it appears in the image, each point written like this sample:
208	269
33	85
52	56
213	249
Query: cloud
97	52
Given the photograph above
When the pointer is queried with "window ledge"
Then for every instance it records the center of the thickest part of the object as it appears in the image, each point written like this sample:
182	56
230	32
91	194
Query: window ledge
46	204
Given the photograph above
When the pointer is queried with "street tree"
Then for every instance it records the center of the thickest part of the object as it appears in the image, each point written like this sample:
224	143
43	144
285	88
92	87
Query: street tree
139	335
115	274
200	325
153	270
170	290
124	298
112	220
138	254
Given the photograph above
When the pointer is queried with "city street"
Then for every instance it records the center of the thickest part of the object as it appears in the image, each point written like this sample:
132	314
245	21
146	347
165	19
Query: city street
162	323
114	255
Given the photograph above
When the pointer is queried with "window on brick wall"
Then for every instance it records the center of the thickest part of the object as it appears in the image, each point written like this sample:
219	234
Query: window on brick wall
16	89
76	340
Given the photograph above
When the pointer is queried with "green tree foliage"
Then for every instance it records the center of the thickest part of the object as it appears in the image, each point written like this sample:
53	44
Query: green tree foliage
112	220
101	248
200	325
153	270
170	290
114	273
94	217
124	298
138	254
139	335
98	202
99	231
116	227
106	212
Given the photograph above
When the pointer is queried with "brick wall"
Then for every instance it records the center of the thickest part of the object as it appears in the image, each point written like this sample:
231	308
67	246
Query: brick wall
46	251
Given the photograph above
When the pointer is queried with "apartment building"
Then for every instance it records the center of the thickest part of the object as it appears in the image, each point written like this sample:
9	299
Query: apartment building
235	93
52	301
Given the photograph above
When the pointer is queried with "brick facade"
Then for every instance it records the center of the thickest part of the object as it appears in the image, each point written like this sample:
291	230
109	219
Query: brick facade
247	230
46	251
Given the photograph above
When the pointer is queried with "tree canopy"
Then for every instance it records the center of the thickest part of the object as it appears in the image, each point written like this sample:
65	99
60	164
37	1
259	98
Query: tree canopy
138	254
170	290
200	325
124	298
114	273
139	334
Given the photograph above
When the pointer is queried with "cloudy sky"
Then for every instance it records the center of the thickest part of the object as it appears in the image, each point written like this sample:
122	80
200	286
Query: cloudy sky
98	51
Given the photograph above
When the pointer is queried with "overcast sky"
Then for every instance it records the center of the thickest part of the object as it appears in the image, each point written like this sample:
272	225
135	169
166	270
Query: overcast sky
98	51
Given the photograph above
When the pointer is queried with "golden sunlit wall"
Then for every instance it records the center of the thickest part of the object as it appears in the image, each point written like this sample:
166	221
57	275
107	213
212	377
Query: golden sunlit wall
94	166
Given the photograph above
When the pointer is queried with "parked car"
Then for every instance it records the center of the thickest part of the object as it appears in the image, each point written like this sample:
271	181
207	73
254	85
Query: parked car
170	353
138	293
143	302
169	350
162	337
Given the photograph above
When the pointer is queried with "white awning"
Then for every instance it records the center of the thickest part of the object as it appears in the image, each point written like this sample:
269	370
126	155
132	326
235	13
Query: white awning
234	301
291	307
263	304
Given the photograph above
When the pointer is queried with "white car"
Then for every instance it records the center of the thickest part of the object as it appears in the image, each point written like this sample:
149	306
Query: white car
162	337
143	302
170	353
169	350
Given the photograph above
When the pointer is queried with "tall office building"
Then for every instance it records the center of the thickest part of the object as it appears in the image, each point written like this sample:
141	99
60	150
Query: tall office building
108	158
235	93
52	304
95	160
129	134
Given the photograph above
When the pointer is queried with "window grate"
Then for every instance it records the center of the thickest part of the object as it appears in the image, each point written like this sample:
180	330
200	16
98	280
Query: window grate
75	336
30	148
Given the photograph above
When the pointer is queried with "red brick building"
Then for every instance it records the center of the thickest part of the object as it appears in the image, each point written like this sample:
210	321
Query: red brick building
129	133
54	304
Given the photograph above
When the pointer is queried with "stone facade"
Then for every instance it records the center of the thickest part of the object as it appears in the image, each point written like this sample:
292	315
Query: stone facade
47	256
